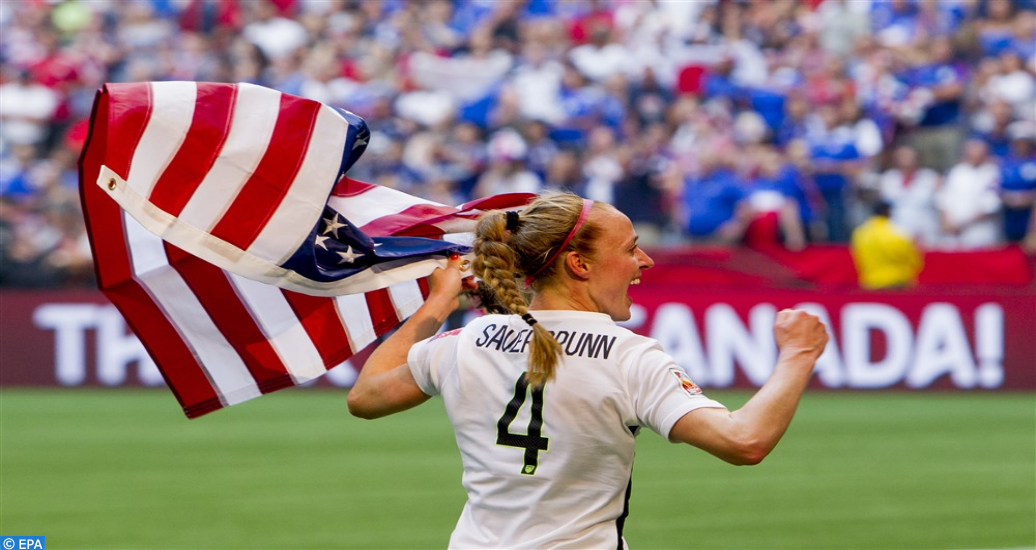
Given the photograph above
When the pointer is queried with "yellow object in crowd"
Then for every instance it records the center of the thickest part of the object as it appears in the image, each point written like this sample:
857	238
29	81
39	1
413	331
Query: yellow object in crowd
885	257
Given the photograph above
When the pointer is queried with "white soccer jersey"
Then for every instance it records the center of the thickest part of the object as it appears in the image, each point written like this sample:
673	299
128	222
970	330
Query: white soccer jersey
550	468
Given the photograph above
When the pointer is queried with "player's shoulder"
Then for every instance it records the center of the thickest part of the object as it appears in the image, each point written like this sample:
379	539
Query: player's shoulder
491	321
627	337
447	334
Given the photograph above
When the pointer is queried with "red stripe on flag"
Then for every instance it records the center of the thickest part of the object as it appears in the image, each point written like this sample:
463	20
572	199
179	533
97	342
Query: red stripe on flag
497	202
107	235
209	129
383	313
415	221
320	319
348	187
262	194
130	109
232	318
123	127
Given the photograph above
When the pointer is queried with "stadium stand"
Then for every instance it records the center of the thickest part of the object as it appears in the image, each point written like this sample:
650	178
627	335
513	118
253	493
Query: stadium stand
715	122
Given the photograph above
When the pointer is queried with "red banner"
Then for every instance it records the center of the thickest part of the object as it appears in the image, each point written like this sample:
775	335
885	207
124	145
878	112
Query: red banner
962	338
831	266
77	338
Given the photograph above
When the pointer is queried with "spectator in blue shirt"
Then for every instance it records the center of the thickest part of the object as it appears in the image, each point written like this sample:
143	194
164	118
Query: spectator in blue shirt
835	157
1018	181
796	184
773	198
794	124
894	22
641	195
581	103
542	149
938	137
719	81
942	18
648	98
994	131
1024	41
16	182
713	203
995	30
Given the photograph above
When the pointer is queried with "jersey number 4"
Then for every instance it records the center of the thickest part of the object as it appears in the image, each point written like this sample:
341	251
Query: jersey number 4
531	441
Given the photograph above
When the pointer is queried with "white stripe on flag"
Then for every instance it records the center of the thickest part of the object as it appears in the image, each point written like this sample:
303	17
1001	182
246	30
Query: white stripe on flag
226	370
305	200
356	318
466	239
374	203
406	298
282	328
172	110
251	127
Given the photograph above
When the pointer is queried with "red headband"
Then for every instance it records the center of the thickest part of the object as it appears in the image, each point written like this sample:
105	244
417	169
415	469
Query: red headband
587	206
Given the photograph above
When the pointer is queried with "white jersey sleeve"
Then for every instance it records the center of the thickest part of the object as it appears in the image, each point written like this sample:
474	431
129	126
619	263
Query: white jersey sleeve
661	390
430	360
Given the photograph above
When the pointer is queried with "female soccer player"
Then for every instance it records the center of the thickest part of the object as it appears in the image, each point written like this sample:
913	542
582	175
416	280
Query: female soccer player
546	400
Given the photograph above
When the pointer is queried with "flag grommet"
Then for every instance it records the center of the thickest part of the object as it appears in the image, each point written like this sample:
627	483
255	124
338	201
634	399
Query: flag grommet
111	184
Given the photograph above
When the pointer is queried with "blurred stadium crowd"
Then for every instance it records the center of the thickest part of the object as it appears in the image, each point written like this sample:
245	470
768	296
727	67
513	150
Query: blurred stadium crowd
712	121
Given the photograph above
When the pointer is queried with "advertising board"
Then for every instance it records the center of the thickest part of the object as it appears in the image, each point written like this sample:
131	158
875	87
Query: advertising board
723	337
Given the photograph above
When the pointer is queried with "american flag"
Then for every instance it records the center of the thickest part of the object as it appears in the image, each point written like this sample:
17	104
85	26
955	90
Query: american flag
225	232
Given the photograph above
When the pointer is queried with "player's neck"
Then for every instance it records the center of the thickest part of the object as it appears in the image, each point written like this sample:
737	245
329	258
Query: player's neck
573	297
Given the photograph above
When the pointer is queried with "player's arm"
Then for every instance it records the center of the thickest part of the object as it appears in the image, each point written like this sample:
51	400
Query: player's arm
385	384
747	435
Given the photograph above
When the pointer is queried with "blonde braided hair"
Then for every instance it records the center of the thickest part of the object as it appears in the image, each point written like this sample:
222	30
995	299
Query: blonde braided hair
502	255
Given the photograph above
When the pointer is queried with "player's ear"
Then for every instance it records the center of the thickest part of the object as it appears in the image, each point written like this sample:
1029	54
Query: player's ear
577	265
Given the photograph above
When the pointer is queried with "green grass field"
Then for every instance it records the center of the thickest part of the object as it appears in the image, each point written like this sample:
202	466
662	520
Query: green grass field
124	469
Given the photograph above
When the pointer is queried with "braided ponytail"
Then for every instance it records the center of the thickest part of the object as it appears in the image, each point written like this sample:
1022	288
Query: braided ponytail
508	245
496	263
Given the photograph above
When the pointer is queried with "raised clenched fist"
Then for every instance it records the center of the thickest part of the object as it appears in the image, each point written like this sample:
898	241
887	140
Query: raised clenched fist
797	331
